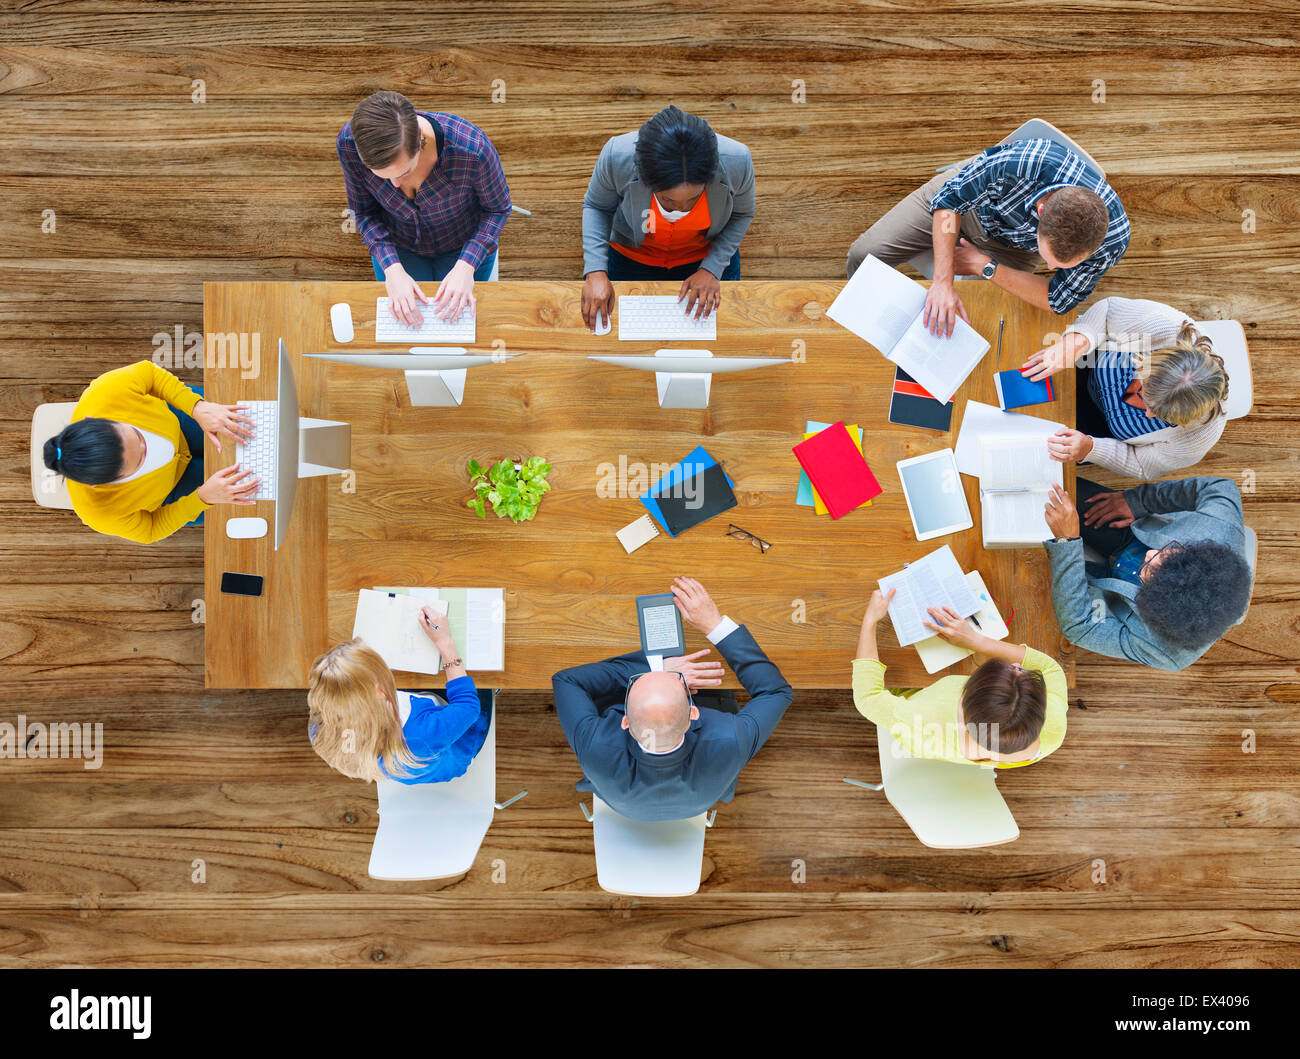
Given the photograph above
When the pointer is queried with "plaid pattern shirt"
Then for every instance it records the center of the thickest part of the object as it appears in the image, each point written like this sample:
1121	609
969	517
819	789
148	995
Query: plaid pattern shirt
462	205
1003	186
1113	371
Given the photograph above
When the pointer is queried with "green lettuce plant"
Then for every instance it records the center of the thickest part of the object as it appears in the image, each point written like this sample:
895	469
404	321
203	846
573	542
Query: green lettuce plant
514	491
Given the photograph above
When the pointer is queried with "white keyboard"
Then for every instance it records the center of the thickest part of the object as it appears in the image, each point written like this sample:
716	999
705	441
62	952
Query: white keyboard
654	317
388	328
260	455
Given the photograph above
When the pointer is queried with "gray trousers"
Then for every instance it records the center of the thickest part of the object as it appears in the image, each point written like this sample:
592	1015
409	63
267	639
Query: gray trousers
905	232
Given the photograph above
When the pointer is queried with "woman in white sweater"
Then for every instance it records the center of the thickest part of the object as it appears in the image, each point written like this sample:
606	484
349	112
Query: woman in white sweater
1150	389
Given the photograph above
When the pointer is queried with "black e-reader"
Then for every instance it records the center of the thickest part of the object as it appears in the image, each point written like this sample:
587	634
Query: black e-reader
660	625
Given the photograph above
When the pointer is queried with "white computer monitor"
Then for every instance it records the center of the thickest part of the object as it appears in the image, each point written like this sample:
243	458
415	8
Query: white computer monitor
435	375
684	377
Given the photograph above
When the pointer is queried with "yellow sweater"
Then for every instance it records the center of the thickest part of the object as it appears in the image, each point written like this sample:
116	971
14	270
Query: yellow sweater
924	721
138	395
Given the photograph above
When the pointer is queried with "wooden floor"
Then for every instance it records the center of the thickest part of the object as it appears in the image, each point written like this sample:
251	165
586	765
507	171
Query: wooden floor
1149	840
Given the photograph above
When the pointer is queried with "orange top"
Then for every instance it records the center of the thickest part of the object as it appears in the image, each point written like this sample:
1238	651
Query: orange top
668	244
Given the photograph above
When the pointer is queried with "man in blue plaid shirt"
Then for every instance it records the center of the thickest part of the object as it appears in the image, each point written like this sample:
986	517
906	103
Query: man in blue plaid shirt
997	216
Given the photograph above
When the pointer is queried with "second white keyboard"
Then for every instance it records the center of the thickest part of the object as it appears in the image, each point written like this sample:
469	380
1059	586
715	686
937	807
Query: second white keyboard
261	454
388	328
654	317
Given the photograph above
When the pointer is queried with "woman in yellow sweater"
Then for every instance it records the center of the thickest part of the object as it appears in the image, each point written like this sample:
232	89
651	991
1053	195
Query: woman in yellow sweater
133	454
1009	712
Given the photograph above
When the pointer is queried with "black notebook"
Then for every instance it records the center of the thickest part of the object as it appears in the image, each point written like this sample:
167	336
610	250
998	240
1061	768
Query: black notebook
912	406
696	499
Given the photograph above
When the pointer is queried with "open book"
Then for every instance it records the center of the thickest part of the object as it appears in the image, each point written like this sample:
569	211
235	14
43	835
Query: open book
933	581
390	623
884	307
1016	478
937	653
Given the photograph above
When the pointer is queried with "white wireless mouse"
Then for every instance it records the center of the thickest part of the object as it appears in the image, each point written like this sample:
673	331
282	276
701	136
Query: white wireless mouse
341	321
244	529
603	326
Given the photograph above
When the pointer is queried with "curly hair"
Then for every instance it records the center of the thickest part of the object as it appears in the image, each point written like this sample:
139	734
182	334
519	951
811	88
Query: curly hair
1195	594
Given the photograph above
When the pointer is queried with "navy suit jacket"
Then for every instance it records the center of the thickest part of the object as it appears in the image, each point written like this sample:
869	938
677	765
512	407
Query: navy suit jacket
690	779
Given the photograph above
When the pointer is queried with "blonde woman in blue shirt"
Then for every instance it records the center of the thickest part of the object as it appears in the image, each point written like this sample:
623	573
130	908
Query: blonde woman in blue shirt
1009	712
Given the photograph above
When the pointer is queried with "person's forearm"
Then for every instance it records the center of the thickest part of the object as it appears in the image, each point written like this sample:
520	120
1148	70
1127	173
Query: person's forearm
1026	286
1000	649
867	642
945	226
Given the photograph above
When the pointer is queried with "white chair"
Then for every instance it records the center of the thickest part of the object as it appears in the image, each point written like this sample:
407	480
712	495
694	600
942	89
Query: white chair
647	858
1228	338
946	804
1033	129
434	830
49	489
1252	554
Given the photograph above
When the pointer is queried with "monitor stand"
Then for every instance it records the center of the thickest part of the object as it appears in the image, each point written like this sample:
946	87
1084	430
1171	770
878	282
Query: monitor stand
324	447
679	390
437	389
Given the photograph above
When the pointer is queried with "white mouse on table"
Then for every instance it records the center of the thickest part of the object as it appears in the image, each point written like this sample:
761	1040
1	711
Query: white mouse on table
603	326
341	322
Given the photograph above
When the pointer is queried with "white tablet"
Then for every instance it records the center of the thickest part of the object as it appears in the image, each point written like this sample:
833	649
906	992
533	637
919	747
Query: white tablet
935	497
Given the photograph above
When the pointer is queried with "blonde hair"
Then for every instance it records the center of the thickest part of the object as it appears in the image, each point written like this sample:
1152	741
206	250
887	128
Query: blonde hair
1186	381
353	718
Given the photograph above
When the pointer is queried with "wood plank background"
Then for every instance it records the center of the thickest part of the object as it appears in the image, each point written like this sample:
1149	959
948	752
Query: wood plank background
153	194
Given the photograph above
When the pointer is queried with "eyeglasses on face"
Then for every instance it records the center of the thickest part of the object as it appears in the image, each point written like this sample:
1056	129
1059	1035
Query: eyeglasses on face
1172	548
627	694
745	535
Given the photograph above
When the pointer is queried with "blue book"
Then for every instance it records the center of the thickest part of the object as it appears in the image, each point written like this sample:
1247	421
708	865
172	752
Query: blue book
1015	391
697	461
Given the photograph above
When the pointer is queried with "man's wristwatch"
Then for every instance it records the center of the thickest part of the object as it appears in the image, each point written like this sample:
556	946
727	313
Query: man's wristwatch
987	271
1064	540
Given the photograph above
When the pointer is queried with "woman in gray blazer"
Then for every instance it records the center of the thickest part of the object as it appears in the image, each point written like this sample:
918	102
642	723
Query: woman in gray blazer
670	201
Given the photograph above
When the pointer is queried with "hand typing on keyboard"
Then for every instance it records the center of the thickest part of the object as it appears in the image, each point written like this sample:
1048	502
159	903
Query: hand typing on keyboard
230	485
702	291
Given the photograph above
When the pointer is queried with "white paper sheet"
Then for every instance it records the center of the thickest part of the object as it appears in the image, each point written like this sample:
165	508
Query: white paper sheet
983	420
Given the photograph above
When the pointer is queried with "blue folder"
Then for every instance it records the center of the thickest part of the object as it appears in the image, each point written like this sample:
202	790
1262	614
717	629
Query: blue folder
692	465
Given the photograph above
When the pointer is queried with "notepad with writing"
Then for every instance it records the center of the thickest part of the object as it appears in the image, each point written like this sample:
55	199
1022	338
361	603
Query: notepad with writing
837	470
1015	391
476	619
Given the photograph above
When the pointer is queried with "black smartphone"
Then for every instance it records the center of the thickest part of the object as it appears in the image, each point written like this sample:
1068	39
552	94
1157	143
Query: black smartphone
241	584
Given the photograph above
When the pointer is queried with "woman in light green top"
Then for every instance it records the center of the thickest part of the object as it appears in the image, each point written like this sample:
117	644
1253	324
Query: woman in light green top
1009	712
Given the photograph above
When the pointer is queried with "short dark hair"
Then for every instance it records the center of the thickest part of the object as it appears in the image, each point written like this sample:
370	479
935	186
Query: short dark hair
384	127
675	148
1010	700
1074	222
87	451
1195	593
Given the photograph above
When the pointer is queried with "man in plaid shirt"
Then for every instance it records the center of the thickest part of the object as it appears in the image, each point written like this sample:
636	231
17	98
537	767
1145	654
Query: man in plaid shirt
429	197
996	217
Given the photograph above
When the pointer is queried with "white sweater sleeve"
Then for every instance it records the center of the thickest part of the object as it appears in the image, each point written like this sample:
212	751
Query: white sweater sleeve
1130	322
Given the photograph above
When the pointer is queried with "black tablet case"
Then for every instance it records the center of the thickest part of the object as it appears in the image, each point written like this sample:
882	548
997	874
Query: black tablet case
708	491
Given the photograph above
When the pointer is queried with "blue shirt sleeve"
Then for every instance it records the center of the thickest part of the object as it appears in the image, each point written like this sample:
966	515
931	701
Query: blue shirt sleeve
436	726
968	188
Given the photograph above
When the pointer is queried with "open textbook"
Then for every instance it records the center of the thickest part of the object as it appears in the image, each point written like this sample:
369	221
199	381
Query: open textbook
1016	478
937	653
933	581
884	307
476	617
979	421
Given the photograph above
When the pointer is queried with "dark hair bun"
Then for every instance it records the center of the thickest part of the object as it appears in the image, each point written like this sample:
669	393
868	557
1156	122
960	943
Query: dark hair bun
49	454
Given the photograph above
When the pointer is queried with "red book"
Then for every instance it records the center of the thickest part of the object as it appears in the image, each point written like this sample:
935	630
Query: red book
837	470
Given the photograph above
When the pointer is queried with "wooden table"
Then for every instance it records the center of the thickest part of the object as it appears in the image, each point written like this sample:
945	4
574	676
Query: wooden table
569	585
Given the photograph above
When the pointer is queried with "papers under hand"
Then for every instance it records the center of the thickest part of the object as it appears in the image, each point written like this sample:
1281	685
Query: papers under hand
390	624
884	307
933	581
983	420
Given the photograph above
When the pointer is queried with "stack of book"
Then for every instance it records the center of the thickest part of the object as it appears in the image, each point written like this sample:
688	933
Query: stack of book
838	477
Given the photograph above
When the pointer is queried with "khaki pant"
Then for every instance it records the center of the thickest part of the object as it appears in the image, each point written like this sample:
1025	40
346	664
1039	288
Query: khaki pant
905	232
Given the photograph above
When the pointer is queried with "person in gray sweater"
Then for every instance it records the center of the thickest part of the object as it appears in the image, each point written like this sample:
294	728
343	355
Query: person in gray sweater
1175	573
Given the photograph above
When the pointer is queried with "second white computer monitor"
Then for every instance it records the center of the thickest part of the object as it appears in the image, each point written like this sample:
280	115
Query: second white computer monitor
684	377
